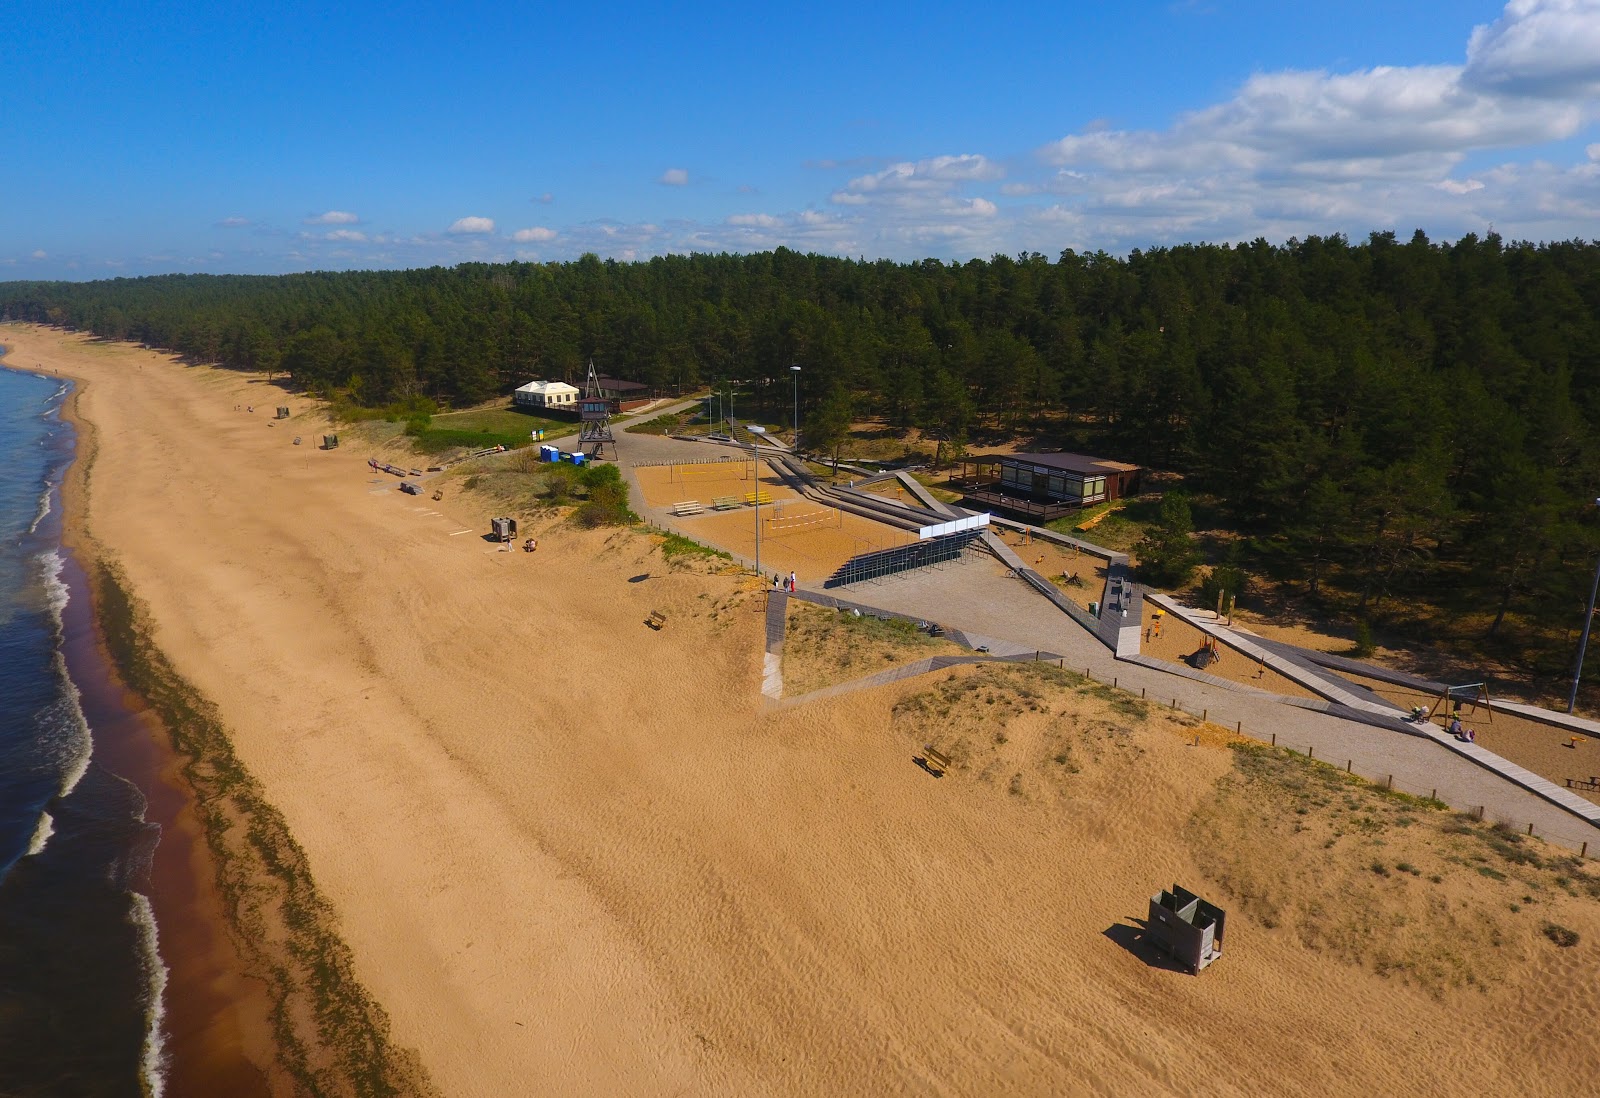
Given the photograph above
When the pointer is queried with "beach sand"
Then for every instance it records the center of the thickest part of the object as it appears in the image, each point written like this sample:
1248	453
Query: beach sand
570	855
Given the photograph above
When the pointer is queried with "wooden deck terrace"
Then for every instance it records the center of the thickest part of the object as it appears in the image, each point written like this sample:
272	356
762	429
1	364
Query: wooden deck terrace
1017	505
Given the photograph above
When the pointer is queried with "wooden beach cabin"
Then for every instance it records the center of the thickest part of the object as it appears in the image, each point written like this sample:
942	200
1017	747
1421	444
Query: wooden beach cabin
1045	486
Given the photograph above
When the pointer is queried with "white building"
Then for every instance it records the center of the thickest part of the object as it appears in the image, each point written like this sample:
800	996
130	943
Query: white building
545	394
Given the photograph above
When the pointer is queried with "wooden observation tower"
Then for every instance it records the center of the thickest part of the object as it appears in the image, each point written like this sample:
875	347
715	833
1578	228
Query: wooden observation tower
594	411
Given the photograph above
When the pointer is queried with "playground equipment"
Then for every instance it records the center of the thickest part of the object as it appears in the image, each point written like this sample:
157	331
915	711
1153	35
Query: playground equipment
1452	698
283	412
1187	927
1206	655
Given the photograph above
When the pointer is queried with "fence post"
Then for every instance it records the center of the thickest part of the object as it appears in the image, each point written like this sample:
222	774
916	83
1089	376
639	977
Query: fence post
1389	784
1205	714
1348	763
1239	727
1274	739
1311	752
1530	827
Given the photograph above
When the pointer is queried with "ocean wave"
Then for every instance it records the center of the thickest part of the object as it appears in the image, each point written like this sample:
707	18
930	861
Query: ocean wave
41	834
56	591
153	1060
66	730
43	510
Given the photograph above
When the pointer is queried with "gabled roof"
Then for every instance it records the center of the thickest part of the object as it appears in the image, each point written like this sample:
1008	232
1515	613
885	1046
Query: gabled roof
547	387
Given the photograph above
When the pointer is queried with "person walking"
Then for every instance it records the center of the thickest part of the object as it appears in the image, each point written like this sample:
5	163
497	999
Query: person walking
792	582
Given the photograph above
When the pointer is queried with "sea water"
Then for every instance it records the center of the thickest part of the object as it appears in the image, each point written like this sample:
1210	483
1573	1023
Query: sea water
80	975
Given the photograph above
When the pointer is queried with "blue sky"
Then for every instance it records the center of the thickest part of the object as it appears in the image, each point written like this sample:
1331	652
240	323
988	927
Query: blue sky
151	137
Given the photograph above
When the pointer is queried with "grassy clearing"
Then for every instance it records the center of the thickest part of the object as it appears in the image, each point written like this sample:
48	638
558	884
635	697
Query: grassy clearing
1392	883
671	423
823	647
498	419
685	555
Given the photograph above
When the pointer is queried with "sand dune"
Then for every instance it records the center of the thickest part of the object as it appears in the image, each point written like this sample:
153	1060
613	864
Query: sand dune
574	856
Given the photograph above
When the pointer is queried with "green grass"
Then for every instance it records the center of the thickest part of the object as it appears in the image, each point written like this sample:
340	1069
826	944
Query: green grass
505	421
661	425
678	546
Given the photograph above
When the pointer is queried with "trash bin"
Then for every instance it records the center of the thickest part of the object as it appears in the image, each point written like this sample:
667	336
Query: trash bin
1094	608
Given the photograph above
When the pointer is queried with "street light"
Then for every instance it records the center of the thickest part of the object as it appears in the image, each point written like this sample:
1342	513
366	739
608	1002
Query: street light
1583	642
756	431
795	370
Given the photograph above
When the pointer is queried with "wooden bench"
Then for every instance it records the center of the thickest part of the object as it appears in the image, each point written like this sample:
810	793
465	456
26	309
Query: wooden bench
688	507
656	620
725	503
757	497
934	761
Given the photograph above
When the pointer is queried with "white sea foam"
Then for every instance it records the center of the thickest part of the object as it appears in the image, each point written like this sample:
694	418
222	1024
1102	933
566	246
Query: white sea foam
41	834
56	593
43	508
153	1061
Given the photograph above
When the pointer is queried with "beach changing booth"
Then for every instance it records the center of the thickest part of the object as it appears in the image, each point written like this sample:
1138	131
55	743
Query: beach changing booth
1186	927
504	529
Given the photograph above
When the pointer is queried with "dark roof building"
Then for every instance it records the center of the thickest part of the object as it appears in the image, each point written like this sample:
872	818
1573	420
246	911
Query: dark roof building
1047	486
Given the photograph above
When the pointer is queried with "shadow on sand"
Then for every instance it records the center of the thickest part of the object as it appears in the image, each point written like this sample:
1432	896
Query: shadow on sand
1133	937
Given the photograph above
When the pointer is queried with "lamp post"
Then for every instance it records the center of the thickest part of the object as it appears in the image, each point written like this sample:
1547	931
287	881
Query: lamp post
756	431
795	370
1583	642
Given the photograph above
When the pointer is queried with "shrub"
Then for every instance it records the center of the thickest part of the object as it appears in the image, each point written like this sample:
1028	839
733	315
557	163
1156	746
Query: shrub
1560	935
1363	647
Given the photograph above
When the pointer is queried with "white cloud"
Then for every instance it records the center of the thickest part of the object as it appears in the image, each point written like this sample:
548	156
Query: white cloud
760	221
352	236
333	217
544	199
674	177
1541	48
939	174
535	235
233	223
467	225
38	253
1458	186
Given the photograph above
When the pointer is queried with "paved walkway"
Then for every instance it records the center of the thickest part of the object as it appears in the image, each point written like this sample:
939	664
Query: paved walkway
981	600
1008	616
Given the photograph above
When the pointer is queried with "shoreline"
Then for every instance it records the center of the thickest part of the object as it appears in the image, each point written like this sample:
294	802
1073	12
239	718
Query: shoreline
217	1032
259	995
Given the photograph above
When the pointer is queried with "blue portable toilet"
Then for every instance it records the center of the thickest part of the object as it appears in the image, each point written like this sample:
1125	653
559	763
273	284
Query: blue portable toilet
577	459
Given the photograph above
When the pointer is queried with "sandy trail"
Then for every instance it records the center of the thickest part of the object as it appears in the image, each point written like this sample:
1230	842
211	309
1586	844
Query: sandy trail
575	856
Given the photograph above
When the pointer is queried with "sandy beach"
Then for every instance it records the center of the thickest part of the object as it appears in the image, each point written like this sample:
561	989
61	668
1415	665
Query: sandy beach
571	855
